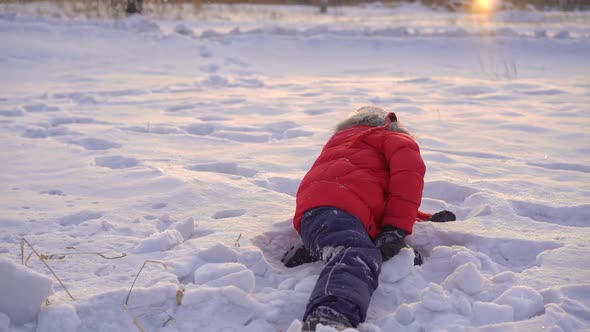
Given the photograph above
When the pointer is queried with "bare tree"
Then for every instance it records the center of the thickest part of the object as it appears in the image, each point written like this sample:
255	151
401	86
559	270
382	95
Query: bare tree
134	7
323	6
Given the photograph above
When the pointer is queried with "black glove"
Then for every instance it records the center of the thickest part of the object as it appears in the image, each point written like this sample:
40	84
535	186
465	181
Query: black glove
390	241
417	257
297	255
442	216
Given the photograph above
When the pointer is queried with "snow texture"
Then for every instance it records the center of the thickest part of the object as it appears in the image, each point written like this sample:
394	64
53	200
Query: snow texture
160	241
23	291
58	317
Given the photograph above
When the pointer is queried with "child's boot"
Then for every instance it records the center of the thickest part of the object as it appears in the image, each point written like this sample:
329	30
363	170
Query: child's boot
327	317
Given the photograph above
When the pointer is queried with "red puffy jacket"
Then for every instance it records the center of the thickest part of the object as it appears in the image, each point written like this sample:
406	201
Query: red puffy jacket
371	172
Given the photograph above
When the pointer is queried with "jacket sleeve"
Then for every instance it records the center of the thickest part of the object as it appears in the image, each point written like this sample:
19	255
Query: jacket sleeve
423	215
406	181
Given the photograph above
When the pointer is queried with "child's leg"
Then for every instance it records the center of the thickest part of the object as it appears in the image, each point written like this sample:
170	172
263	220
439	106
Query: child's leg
353	262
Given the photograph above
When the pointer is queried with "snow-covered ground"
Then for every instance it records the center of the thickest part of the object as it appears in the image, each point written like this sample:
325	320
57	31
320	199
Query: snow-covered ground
182	143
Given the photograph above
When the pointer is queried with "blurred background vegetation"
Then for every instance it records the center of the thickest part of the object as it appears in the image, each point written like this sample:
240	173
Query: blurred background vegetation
121	8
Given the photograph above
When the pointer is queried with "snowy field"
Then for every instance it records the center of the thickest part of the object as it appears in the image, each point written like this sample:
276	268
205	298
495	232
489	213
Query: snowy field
183	141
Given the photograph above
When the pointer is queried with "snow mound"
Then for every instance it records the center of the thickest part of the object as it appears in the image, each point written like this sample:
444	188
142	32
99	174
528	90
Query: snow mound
219	254
218	309
226	274
160	241
525	301
466	278
186	228
398	267
4	322
80	217
485	313
60	317
23	291
435	298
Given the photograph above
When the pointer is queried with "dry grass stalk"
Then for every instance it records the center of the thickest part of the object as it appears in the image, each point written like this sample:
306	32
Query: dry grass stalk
63	255
135	321
137	276
128	309
29	258
23	241
154	310
237	244
179	296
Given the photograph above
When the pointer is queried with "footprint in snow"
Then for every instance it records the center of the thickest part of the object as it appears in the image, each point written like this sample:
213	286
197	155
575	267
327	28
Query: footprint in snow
286	130
182	29
280	184
276	241
200	129
249	134
310	94
153	129
180	107
472	90
65	120
209	118
216	80
204	52
80	217
157	206
210	68
574	216
223	214
95	144
12	113
470	154
543	92
115	162
234	62
53	192
417	80
224	168
78	98
124	93
104	270
562	167
527	128
232	101
248	83
377	100
448	191
409	110
521	86
317	111
243	137
40	108
47	132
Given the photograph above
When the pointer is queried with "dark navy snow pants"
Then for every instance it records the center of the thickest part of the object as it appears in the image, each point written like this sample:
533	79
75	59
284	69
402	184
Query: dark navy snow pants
353	262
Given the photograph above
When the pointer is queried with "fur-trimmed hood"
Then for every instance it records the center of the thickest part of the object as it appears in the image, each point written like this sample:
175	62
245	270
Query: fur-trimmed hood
371	116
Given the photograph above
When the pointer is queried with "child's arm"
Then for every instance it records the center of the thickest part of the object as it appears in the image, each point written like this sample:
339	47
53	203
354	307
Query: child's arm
422	216
406	181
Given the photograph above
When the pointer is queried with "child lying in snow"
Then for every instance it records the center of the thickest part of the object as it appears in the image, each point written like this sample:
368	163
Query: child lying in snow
354	208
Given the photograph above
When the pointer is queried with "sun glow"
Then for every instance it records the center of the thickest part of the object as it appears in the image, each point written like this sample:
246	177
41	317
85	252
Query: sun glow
483	5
